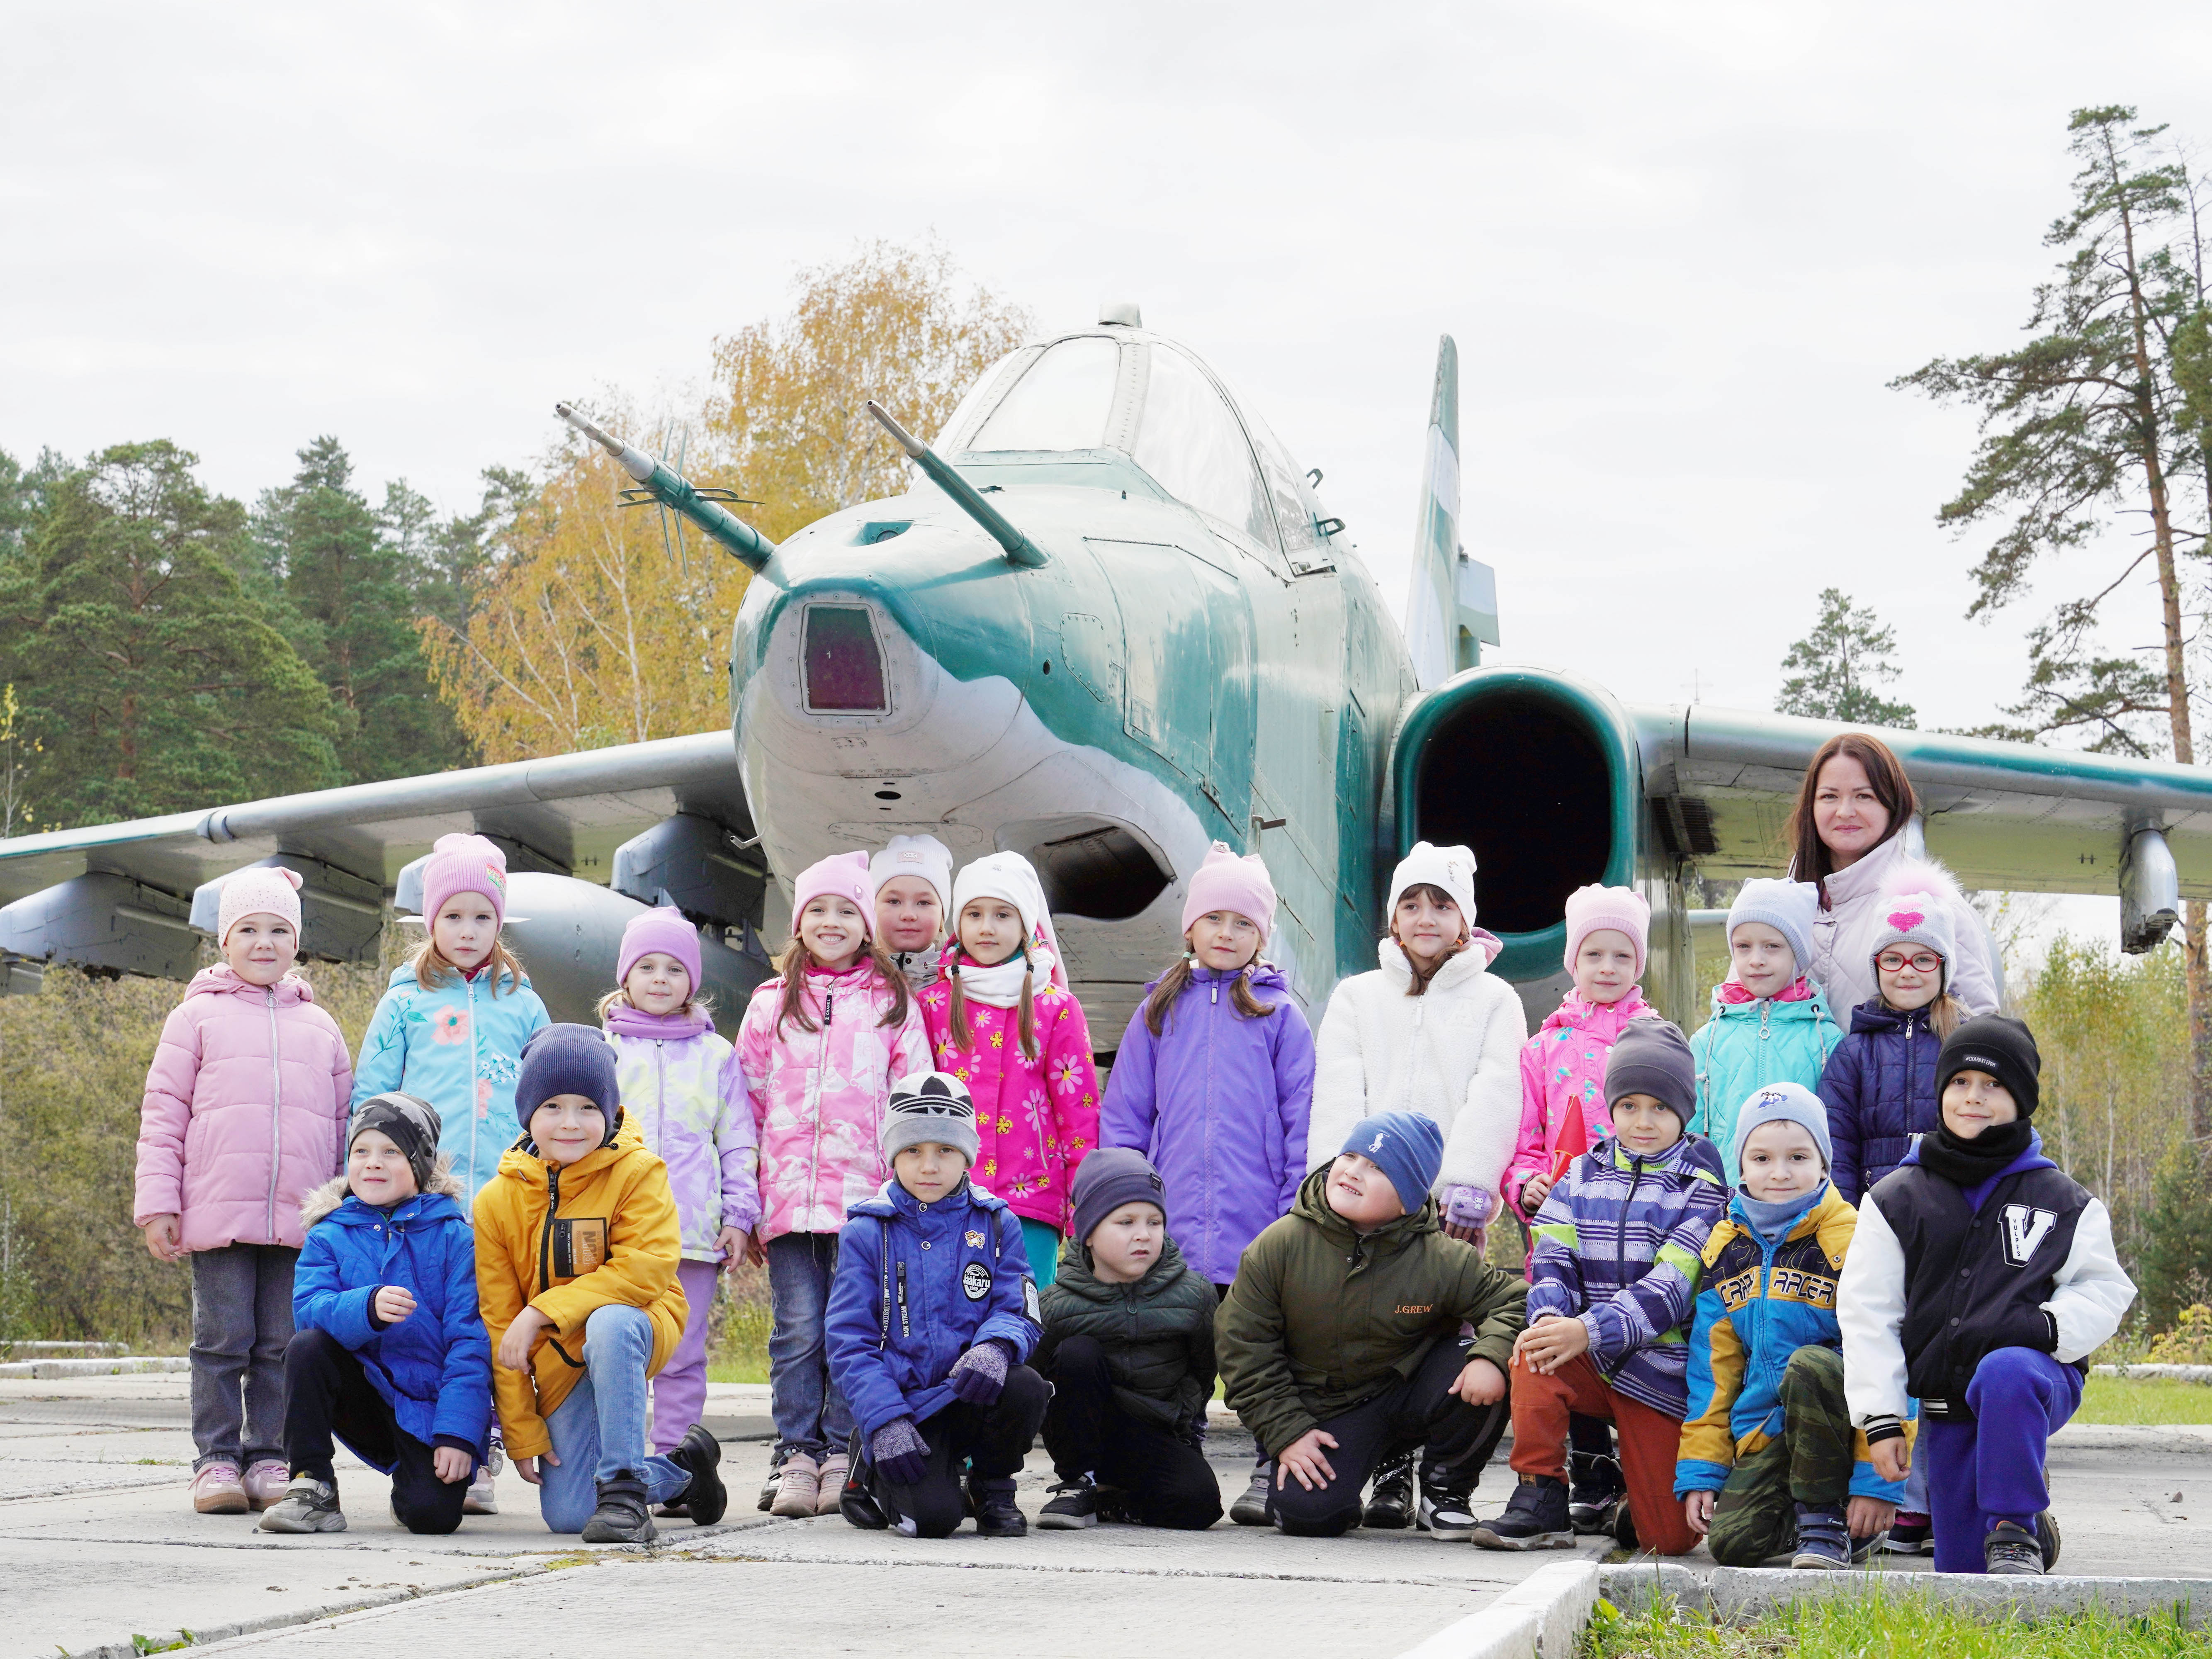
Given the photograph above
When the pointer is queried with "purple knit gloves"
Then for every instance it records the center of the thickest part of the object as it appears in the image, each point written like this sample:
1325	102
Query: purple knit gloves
898	1450
1468	1206
979	1375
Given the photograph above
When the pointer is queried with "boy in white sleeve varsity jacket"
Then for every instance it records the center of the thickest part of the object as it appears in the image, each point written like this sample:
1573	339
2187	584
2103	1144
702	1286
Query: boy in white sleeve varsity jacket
1981	1278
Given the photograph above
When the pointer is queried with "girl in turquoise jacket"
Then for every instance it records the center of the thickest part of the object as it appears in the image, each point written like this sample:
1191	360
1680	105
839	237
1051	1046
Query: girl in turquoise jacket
452	1022
1769	1023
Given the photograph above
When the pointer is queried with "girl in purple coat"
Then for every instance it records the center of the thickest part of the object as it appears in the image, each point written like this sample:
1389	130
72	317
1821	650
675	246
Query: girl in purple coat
1214	1078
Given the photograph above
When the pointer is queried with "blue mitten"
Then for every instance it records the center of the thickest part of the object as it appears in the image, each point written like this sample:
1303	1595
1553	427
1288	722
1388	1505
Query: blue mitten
978	1375
898	1450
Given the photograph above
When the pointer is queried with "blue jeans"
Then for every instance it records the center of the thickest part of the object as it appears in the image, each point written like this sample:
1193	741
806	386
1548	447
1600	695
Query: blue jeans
1990	1468
809	1408
598	1431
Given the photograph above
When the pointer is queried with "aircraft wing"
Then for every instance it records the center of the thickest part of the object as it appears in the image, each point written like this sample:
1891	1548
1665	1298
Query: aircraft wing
2000	815
565	815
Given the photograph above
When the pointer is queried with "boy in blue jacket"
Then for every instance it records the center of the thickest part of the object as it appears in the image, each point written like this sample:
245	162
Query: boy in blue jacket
388	1352
931	1314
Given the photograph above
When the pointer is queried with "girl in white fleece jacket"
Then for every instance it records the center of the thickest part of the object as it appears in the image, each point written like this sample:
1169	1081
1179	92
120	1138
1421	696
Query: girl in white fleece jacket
1432	1031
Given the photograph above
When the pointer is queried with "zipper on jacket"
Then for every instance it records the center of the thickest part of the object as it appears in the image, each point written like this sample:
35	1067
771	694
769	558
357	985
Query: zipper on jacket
545	1238
469	985
276	1109
1765	1008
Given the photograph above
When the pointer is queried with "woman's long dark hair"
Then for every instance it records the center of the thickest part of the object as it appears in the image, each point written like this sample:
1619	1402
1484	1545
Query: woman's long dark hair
1810	860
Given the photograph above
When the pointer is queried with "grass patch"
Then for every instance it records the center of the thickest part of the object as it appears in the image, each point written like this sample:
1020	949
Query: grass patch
2144	1400
737	1341
1903	1627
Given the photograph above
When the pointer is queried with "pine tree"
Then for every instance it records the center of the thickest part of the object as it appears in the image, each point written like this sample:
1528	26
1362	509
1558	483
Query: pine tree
1839	665
152	681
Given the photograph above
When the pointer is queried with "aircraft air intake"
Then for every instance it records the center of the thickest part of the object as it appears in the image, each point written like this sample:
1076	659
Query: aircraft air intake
843	665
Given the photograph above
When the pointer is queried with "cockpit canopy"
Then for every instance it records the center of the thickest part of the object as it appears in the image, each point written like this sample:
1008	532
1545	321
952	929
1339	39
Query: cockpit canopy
1124	390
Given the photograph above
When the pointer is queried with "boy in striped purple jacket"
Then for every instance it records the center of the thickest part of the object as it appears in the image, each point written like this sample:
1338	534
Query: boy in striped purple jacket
1613	1289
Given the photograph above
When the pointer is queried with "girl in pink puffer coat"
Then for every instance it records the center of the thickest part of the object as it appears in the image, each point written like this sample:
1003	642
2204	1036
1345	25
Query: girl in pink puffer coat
244	1116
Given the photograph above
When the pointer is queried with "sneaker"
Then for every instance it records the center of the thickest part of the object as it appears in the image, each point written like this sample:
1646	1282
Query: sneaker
997	1515
1445	1516
2013	1550
482	1496
266	1482
217	1490
1616	1521
1391	1505
768	1487
837	1469
1536	1518
1824	1542
307	1505
1909	1535
1252	1506
1074	1509
621	1517
697	1454
2046	1534
1596	1489
797	1488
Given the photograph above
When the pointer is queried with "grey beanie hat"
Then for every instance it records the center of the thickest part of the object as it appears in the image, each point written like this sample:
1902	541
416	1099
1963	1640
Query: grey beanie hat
931	1106
1652	1057
1784	1102
1108	1179
1790	908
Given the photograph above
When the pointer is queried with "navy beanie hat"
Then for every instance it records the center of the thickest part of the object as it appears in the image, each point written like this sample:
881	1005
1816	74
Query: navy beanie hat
1405	1147
568	1059
1108	1179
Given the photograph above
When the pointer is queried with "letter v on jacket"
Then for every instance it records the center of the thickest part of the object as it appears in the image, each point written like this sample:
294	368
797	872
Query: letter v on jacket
917	1284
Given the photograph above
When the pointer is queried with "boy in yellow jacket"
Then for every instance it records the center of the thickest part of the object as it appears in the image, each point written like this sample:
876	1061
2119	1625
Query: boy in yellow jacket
577	1243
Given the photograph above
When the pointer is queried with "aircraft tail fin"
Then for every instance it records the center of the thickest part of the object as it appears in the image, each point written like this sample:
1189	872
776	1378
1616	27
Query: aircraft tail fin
1451	612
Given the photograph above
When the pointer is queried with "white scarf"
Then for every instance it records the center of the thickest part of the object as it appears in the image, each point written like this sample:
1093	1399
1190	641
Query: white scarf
1000	986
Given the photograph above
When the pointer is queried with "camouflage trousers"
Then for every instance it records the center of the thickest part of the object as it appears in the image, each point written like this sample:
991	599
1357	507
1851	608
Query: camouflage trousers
1755	1517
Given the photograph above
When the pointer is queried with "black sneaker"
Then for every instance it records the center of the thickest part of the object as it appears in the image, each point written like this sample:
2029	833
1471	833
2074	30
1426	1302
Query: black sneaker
621	1517
1597	1488
697	1454
2046	1534
997	1515
1391	1505
767	1486
1619	1521
1536	1518
1253	1505
1075	1507
1445	1516
1909	1535
2011	1549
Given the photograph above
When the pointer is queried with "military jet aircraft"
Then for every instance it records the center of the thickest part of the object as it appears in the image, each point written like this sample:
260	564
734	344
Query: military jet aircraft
1109	623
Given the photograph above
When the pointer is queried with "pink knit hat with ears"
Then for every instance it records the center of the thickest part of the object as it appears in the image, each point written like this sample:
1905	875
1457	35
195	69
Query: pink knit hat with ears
259	890
844	875
1226	882
664	929
1592	910
463	863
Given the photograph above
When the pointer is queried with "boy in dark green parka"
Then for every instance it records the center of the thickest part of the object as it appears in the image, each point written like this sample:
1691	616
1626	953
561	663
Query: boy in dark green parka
1128	1346
1340	1341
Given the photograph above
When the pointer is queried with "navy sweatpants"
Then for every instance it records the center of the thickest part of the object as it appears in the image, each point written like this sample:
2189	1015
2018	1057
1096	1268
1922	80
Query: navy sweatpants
1989	1468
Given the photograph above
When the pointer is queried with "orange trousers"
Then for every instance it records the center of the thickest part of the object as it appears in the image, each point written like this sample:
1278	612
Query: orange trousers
1648	1443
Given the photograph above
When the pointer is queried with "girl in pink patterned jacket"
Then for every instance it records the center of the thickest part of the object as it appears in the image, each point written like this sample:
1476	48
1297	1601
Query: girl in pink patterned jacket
820	1045
1002	1020
244	1117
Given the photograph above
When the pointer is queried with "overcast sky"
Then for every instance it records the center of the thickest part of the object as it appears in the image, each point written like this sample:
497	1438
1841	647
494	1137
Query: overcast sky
1683	248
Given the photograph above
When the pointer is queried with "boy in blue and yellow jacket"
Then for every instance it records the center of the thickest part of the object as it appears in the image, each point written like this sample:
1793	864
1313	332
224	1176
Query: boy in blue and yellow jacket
932	1314
1770	1463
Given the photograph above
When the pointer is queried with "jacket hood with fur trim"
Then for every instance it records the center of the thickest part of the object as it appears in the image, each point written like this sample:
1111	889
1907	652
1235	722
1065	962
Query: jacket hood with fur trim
319	1205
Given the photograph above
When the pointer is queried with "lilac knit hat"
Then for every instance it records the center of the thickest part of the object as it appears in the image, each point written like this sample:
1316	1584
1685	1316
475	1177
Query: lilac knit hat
1592	910
1226	882
463	863
664	929
259	889
843	875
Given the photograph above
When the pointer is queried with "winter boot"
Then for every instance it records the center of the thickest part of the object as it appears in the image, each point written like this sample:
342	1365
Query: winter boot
1391	1505
1594	1473
307	1505
621	1517
1536	1518
697	1454
857	1501
997	1515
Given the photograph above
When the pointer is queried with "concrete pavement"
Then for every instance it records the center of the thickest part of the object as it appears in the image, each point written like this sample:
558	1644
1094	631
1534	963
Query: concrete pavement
98	1544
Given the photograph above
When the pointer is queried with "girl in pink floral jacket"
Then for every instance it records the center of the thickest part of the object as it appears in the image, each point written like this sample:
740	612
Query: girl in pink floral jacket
820	1045
1002	1020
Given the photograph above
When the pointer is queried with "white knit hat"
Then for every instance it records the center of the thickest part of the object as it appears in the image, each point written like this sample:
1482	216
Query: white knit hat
1790	908
915	855
1451	868
257	889
1011	877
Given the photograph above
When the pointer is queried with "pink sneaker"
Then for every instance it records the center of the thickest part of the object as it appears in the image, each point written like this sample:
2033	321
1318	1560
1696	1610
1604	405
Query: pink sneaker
217	1490
266	1483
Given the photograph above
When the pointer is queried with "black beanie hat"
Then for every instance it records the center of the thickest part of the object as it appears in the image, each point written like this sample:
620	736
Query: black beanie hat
568	1059
1652	1057
413	1124
2004	1047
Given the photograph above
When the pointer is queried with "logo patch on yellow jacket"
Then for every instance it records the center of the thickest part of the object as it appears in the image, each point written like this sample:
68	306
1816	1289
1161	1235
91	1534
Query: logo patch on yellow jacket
580	1244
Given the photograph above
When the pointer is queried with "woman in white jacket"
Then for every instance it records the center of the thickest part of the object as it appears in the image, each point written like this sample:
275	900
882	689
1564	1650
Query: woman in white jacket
1431	1030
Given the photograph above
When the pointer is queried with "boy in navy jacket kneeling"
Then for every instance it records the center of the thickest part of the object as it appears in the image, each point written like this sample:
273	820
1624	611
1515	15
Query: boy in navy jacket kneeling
931	1314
